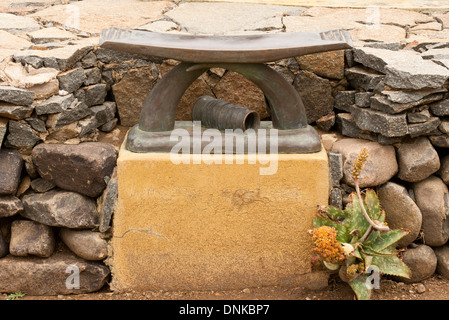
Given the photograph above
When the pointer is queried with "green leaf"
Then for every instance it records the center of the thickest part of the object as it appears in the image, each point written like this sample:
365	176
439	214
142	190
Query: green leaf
336	213
358	220
367	250
391	265
360	288
373	206
387	239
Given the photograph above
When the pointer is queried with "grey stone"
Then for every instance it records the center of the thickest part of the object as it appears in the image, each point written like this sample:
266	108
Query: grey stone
31	238
61	209
105	112
10	171
419	129
393	46
94	94
379	122
417	160
37	124
95	162
443	172
51	275
159	26
418	116
437	53
384	104
413	96
41	185
92	75
250	17
316	94
442	254
112	56
55	104
326	122
89	60
3	246
87	125
17	24
381	103
336	168
15	112
86	244
64	58
387	140
362	99
71	80
403	69
440	108
401	211
109	126
336	198
363	78
21	135
346	125
420	76
16	96
444	126
106	202
379	168
432	199
440	141
422	262
77	111
3	128
344	100
10	206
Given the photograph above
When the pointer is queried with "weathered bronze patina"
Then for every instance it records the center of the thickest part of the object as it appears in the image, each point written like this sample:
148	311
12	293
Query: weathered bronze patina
244	54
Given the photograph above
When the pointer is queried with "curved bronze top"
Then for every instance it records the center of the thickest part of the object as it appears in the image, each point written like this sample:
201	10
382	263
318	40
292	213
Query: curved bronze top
224	49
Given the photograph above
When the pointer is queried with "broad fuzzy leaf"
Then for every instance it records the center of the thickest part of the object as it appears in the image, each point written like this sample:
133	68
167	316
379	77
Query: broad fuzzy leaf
360	288
373	206
358	220
387	239
391	265
336	213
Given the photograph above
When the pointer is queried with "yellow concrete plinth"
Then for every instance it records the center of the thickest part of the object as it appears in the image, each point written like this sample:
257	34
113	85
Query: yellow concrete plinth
215	226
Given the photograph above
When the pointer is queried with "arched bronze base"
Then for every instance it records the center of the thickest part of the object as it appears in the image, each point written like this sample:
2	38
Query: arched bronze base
157	119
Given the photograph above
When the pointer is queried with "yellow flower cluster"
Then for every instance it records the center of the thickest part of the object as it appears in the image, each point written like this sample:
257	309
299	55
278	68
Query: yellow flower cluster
326	245
358	163
352	270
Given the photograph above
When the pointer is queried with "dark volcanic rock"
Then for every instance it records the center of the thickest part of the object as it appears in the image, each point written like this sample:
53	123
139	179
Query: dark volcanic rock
81	168
61	209
10	170
62	273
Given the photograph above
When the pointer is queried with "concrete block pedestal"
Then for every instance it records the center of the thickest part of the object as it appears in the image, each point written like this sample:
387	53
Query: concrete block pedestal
215	226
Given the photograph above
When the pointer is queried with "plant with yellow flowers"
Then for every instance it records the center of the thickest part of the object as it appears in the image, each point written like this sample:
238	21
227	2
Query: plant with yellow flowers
356	239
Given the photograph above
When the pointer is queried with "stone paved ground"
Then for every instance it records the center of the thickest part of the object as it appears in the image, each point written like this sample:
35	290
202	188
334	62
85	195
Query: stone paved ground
48	24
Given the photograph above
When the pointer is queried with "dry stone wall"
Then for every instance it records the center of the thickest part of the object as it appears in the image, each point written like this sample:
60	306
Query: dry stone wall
63	95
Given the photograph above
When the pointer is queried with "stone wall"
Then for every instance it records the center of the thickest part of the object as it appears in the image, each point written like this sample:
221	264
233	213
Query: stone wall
63	112
397	106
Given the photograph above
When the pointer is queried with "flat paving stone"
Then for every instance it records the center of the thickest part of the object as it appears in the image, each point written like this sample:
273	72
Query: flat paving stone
405	4
17	24
220	18
91	15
